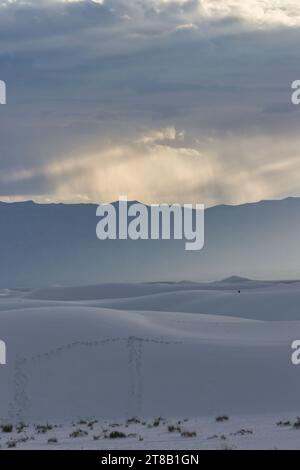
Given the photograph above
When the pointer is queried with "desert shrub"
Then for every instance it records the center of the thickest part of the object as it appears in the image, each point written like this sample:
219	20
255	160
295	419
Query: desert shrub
92	423
297	423
7	428
189	434
133	421
221	419
20	427
24	439
11	444
283	423
117	435
52	440
78	433
157	422
172	428
42	429
243	432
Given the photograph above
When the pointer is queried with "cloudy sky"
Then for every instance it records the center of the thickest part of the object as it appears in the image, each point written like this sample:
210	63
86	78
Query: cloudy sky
159	100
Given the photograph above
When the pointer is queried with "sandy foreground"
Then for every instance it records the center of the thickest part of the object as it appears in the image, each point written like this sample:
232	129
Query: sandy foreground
79	367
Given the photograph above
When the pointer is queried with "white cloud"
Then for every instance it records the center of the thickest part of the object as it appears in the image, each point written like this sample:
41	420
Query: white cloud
155	136
154	170
286	12
259	12
94	79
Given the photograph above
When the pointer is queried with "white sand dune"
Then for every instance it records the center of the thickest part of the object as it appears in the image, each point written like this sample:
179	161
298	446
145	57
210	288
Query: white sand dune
272	301
277	304
147	355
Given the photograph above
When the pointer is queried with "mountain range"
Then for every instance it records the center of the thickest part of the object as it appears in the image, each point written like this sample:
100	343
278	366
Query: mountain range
55	244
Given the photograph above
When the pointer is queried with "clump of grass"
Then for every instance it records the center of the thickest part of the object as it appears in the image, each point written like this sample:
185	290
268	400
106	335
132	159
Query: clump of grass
157	421
172	428
296	424
42	429
7	428
189	434
133	420
92	423
24	439
11	444
243	432
221	419
117	435
20	427
78	433
52	440
283	423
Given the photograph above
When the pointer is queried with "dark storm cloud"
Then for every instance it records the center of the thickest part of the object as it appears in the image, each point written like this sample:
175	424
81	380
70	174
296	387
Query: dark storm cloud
84	77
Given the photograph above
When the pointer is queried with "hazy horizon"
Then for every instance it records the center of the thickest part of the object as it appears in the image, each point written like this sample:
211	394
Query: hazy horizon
131	201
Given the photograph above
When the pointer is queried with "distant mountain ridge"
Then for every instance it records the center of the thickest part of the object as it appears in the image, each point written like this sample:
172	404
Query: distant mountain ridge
55	244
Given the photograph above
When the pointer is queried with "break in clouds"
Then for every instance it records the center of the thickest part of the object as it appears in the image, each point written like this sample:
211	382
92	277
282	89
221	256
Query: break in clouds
164	101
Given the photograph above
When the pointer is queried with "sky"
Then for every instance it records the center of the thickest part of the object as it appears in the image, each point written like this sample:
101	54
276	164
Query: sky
185	101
